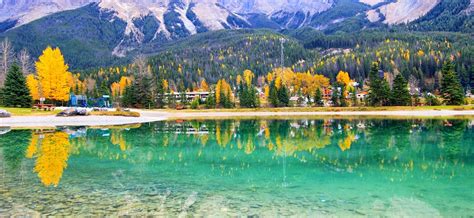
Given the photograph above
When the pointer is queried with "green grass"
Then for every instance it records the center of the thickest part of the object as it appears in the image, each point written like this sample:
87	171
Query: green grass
331	109
115	113
28	112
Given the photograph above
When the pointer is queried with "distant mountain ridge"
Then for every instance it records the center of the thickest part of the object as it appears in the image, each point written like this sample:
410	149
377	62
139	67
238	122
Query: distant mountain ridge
116	28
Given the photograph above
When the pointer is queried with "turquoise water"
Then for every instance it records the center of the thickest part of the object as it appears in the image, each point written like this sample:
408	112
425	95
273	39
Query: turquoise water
242	168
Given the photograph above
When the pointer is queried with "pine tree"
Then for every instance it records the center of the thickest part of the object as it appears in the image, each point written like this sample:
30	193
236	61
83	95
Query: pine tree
400	94
273	96
283	97
129	96
248	96
160	103
144	90
335	97
354	97
379	91
318	98
451	89
211	101
16	92
342	98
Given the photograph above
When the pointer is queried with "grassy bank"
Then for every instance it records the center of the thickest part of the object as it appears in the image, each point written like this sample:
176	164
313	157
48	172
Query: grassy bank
28	112
330	109
115	113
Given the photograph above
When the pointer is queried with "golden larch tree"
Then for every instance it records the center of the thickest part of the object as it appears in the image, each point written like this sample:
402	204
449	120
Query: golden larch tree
53	75
33	86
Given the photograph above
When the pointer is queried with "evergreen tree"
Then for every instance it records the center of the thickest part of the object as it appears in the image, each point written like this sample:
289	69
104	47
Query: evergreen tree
318	98
144	88
160	101
248	96
273	95
1	97
129	96
379	91
283	97
400	94
211	101
451	89
15	91
431	100
342	97
103	89
182	90
335	97
354	97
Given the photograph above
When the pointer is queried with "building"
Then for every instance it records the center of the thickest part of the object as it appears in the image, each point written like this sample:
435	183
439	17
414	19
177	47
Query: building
362	95
190	96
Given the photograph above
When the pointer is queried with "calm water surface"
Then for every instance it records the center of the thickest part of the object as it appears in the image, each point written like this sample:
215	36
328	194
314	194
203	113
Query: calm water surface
240	168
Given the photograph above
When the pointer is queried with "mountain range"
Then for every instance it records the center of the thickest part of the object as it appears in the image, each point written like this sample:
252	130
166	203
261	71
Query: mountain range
108	29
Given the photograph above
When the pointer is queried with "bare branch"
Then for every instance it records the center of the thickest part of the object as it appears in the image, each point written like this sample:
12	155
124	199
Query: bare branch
24	59
7	56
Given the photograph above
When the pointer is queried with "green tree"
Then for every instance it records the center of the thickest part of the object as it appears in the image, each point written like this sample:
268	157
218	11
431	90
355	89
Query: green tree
431	100
129	96
400	94
211	100
144	88
335	97
160	90
451	89
248	96
354	97
342	97
318	98
379	91
283	97
16	92
273	95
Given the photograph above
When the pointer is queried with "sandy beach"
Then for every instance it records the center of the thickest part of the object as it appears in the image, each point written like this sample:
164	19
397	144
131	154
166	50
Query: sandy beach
153	116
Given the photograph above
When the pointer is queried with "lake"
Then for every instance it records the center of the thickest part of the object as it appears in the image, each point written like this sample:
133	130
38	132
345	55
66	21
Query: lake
320	167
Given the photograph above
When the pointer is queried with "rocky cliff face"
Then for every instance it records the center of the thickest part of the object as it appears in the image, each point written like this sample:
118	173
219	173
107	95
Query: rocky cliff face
25	11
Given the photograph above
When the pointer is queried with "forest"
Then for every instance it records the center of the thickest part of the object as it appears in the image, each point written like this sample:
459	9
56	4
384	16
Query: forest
314	64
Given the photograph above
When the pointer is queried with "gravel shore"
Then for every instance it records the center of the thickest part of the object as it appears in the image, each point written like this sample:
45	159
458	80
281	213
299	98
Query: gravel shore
153	116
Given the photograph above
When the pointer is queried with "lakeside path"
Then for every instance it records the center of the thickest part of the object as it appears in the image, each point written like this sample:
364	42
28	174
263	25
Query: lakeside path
160	115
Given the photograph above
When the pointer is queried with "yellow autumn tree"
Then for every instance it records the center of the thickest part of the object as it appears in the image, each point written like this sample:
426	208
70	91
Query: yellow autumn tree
33	86
223	89
343	78
53	154
166	85
115	88
124	83
204	86
53	75
248	77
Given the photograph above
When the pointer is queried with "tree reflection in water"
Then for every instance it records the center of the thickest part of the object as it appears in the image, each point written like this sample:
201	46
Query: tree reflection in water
348	145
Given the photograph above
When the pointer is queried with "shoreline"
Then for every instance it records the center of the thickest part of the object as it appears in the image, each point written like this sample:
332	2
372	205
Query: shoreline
162	115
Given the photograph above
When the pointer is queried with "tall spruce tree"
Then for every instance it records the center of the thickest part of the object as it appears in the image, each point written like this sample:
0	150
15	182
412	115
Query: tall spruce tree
129	96
379	91
16	92
248	96
273	95
451	89
354	100
400	94
160	94
283	96
318	98
342	97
